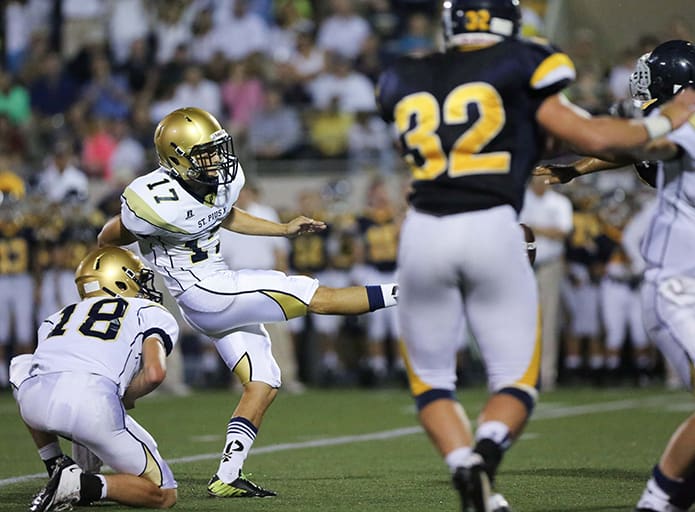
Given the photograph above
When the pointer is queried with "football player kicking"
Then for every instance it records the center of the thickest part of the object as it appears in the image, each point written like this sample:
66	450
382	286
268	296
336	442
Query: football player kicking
668	293
174	213
472	121
94	359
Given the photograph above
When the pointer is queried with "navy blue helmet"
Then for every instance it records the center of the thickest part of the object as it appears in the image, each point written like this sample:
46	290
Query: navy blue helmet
659	75
495	17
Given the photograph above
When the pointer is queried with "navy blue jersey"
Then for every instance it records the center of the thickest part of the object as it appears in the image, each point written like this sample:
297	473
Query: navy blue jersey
379	233
467	121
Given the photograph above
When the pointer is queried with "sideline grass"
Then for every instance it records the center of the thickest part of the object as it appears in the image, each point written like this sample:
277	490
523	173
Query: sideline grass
571	458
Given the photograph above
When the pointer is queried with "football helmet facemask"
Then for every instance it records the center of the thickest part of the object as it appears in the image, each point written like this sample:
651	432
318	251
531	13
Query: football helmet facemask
192	144
659	75
479	20
115	272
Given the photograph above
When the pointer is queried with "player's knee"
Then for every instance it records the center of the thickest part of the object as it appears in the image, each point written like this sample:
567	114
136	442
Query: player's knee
432	395
165	498
527	396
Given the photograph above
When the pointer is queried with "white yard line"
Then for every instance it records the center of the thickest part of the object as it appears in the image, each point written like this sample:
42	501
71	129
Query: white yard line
544	414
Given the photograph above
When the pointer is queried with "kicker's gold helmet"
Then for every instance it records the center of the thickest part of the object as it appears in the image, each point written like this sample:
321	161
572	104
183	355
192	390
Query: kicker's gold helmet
191	143
115	272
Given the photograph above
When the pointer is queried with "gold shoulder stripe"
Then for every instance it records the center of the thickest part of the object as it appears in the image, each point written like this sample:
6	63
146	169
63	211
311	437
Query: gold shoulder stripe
553	69
146	213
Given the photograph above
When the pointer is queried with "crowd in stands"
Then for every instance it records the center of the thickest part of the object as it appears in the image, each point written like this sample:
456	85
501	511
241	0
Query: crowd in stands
84	83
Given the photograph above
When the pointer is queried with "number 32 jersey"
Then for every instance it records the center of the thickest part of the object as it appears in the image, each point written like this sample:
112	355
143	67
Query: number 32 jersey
466	121
178	233
103	336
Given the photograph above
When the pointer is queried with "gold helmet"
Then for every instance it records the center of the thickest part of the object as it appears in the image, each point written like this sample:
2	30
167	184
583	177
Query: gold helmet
191	143
112	272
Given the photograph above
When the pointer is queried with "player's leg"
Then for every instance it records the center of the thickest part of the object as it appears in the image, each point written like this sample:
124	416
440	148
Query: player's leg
501	284
96	420
668	308
614	307
23	290
431	317
247	353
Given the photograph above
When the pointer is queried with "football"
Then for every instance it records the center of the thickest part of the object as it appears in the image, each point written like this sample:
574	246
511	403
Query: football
530	245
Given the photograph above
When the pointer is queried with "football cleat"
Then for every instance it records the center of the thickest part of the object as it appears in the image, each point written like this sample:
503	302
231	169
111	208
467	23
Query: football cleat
653	499
242	487
62	489
473	485
498	503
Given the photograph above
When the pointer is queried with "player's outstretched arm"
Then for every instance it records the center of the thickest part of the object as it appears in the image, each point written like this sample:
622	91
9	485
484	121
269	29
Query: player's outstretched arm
607	136
564	173
115	233
243	222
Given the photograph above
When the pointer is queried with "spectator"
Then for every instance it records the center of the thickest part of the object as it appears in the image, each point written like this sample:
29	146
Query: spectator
619	75
106	94
52	92
418	36
82	24
241	33
304	64
22	18
128	21
242	95
203	44
128	157
61	178
353	90
370	144
14	99
343	31
137	70
97	148
549	214
275	131
171	30
329	130
197	91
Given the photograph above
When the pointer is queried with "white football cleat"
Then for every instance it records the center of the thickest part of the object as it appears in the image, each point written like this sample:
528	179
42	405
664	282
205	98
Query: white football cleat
61	491
655	500
498	503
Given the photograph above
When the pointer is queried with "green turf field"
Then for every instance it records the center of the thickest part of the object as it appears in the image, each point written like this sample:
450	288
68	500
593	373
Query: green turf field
585	450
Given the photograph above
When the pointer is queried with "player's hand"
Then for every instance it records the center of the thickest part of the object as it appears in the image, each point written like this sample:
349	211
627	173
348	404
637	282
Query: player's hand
556	173
301	225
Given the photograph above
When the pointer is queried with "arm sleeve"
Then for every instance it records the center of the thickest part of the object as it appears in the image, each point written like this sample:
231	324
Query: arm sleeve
155	320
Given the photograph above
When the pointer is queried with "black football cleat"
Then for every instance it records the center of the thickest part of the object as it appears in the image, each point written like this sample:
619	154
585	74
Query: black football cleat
473	485
62	490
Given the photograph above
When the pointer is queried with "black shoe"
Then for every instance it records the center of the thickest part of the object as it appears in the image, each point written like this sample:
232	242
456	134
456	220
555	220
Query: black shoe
242	487
473	485
62	489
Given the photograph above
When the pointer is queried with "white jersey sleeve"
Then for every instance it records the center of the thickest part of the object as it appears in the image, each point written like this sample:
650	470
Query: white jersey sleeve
157	321
685	137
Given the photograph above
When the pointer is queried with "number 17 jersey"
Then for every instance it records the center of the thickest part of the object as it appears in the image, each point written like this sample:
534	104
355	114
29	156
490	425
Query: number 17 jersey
466	121
177	232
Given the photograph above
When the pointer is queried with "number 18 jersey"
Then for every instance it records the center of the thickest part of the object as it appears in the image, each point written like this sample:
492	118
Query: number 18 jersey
466	121
178	233
103	336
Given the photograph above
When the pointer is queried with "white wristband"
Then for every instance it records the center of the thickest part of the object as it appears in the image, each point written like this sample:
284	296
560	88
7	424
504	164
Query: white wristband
657	126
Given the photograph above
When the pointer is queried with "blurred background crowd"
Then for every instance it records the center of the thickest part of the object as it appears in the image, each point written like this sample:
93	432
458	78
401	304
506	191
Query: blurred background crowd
84	83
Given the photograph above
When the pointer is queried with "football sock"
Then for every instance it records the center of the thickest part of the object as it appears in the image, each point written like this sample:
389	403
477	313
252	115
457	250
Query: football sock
49	455
382	296
456	458
667	485
241	434
492	440
92	488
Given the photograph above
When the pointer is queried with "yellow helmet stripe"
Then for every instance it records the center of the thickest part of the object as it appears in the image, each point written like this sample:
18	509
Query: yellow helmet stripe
143	210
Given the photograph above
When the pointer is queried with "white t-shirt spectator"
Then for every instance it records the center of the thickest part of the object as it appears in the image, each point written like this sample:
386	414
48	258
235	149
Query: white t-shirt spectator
355	92
551	210
240	37
58	185
128	21
343	35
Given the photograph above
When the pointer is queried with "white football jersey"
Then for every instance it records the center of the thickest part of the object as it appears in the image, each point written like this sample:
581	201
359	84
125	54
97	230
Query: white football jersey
669	243
178	233
103	336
